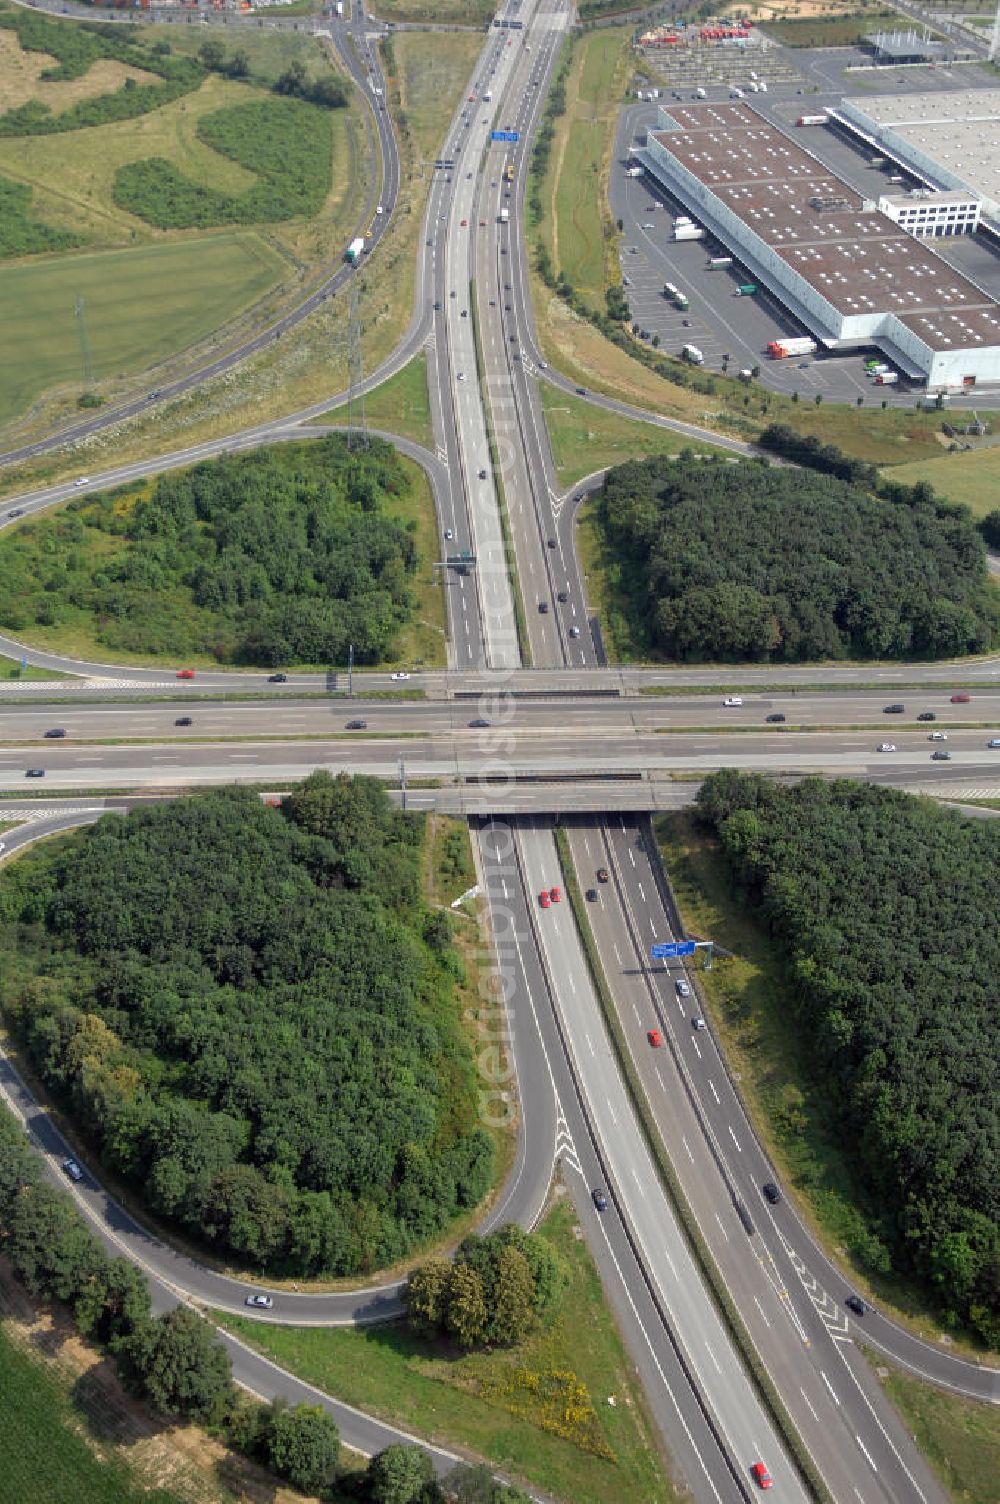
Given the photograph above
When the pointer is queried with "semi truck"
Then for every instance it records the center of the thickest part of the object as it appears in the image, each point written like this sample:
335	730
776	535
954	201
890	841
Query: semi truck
353	252
693	354
783	349
812	120
717	261
688	232
504	216
746	290
886	378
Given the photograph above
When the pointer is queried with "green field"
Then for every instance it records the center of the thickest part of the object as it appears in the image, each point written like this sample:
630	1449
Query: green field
829	31
456	12
586	438
46	1457
972	477
439	1394
580	226
400	405
140	308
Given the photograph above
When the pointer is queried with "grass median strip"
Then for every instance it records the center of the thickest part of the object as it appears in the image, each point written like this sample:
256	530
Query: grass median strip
661	1158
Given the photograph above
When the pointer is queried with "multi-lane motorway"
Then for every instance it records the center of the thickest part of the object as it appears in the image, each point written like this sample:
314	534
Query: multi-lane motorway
565	718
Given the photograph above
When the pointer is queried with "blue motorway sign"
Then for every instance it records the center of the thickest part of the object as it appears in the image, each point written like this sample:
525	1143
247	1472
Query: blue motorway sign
505	135
672	948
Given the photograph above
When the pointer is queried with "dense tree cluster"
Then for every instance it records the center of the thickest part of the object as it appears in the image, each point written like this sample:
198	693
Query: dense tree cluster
76	48
176	1363
251	1014
806	449
286	143
885	906
493	1293
280	556
20	235
746	561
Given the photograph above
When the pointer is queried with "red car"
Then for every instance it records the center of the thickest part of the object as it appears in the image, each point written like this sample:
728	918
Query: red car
465	222
543	899
761	1475
655	1038
185	673
961	699
555	895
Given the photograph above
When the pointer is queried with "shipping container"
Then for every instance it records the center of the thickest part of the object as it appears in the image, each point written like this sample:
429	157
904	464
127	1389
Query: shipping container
747	290
716	261
812	119
688	232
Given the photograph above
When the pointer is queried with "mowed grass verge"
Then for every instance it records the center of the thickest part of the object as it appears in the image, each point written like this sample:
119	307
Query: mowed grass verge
435	1393
140	307
400	405
959	1438
586	438
580	233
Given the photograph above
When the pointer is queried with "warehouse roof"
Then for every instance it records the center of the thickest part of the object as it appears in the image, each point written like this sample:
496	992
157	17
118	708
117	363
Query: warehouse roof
960	130
856	256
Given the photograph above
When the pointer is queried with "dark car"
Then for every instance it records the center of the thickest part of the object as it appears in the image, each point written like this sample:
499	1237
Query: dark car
55	734
551	542
777	719
357	726
893	709
482	472
927	715
602	874
183	720
856	1304
591	895
16	512
277	678
600	1200
562	597
940	755
479	723
581	391
35	773
771	1192
543	607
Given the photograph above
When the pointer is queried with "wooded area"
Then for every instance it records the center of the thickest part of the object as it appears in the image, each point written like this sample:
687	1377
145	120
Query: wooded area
753	562
281	556
251	1014
287	143
885	908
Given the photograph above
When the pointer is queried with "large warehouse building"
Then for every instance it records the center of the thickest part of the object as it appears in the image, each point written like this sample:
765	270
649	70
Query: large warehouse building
951	139
847	270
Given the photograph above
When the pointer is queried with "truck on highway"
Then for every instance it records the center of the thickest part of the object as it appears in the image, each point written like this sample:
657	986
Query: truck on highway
688	232
693	354
505	216
783	349
339	7
701	93
354	250
509	172
812	120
